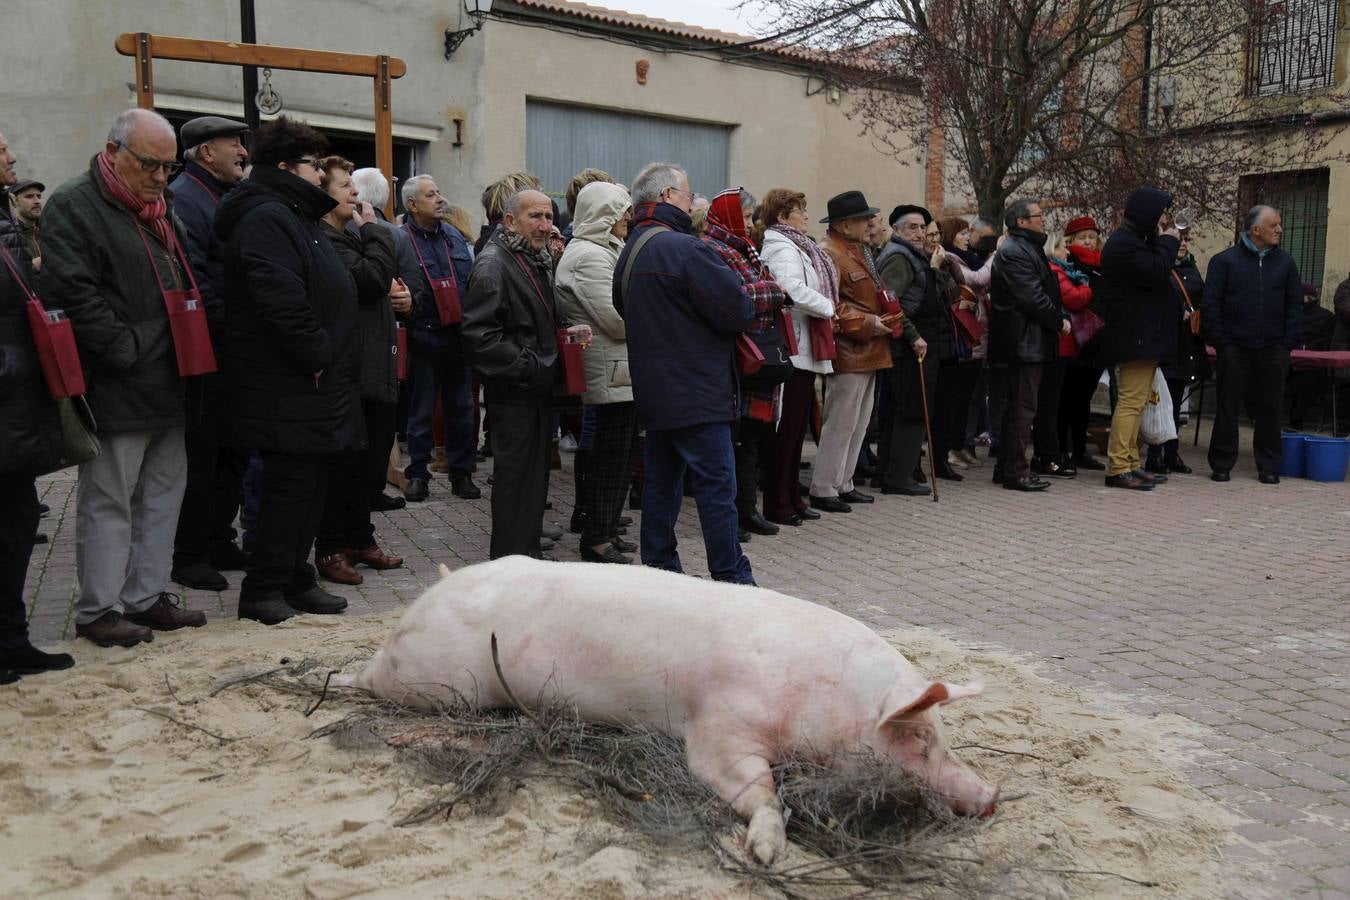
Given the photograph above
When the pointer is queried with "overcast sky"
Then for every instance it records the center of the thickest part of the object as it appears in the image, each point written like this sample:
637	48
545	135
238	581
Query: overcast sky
720	14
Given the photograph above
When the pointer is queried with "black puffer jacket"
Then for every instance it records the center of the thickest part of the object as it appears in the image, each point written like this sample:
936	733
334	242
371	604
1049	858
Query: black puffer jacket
1141	309
509	329
1190	358
1026	314
290	312
30	432
95	267
369	255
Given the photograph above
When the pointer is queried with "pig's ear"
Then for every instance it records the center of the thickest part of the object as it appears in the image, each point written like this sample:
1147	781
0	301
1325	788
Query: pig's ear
444	570
936	692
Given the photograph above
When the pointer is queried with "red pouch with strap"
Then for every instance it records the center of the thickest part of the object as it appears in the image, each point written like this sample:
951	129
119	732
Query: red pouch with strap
445	291
401	351
890	305
749	359
822	338
54	339
789	330
187	316
573	364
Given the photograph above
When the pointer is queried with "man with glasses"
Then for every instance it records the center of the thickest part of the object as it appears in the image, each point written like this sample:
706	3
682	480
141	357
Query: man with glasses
1025	321
113	250
204	544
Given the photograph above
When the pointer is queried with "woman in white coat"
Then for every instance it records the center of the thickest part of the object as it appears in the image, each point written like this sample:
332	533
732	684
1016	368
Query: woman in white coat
807	275
583	285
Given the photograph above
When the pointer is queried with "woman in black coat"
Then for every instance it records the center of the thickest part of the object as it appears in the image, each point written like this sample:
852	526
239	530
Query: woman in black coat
1190	359
346	535
290	361
30	445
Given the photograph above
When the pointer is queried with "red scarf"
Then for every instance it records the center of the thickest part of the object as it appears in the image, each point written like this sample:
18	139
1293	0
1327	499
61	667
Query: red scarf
1085	257
154	214
725	210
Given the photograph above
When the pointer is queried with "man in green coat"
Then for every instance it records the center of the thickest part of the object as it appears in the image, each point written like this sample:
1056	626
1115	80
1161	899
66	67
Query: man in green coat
112	248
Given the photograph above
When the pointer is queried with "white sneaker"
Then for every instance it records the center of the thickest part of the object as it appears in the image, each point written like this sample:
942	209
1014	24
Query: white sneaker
568	444
954	460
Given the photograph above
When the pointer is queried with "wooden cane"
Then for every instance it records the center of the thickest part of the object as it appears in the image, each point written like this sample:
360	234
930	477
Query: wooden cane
928	429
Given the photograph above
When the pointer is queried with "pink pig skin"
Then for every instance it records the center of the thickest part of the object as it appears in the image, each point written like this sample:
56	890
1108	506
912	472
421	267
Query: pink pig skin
743	674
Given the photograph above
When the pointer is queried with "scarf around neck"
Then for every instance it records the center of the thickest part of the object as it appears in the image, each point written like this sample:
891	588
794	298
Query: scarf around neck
826	270
154	215
1085	257
518	243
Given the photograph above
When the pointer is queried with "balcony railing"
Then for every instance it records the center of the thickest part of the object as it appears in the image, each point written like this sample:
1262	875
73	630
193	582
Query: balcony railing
1294	49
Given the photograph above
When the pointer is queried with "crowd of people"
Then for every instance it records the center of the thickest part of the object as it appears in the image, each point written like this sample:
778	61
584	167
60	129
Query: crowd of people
254	336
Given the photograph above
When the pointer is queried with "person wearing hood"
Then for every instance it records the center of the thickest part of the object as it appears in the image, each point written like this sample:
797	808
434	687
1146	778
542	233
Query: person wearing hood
1081	276
683	308
1252	307
114	255
1025	322
292	348
730	220
1142	312
585	289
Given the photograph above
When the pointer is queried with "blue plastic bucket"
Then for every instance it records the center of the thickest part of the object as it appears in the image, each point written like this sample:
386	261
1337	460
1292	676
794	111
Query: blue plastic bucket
1294	458
1327	458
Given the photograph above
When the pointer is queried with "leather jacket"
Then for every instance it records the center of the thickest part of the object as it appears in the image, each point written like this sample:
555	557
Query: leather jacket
857	348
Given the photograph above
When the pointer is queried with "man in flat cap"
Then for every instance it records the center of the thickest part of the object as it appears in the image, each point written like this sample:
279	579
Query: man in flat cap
214	159
27	195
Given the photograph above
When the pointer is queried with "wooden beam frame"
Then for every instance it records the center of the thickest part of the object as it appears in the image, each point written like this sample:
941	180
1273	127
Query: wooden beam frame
145	47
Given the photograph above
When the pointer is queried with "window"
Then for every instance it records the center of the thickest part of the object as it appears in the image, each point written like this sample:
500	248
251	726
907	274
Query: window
1294	49
1301	198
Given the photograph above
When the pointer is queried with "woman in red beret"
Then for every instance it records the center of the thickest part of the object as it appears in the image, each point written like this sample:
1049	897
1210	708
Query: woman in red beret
1082	372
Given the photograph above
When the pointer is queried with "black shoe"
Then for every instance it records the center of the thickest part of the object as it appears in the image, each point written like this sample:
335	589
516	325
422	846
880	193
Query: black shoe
947	473
756	523
199	575
742	535
1090	462
1130	481
417	490
1043	465
623	546
795	520
856	496
8	677
808	514
1176	464
1155	466
382	502
624	521
908	490
1067	466
270	610
462	486
574	523
635	497
29	660
610	554
1028	483
1150	476
830	504
43	509
227	557
1220	475
39	538
318	601
1268	477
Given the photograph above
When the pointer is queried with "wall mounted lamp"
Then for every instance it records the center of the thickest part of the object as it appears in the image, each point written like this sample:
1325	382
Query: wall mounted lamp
478	12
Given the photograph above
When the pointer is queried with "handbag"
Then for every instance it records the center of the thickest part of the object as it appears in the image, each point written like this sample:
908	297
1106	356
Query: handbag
967	323
1085	326
1194	320
822	338
569	345
445	291
187	315
789	330
79	431
401	351
53	339
762	358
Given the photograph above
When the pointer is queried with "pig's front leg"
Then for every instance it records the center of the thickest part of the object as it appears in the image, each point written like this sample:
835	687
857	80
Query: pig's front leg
743	779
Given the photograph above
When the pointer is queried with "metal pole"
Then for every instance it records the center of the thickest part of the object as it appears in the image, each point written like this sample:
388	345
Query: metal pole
248	34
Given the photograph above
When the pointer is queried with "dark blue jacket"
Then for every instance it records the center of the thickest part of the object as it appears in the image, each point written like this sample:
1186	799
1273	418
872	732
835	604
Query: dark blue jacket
1135	293
1251	300
683	309
444	251
196	194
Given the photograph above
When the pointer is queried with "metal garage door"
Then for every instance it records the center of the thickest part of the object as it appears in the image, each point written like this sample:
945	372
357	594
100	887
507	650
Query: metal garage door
561	140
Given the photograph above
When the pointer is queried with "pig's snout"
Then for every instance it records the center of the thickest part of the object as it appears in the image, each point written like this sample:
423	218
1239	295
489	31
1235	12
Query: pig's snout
970	795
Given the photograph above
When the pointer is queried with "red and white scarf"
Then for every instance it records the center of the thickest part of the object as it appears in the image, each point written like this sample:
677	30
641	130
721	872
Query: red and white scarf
154	215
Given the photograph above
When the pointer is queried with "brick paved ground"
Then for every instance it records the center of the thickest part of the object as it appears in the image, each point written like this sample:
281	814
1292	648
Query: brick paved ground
1225	604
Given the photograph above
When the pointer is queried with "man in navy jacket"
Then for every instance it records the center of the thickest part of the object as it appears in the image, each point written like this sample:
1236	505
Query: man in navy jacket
1251	310
683	308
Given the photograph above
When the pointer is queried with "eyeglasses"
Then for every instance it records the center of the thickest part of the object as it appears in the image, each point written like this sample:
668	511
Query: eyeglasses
150	164
678	191
307	160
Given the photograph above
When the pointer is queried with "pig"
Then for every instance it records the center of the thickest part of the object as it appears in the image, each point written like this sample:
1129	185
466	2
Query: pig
742	674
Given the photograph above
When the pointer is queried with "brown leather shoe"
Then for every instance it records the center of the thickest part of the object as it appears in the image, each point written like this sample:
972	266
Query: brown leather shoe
111	630
337	569
168	614
374	557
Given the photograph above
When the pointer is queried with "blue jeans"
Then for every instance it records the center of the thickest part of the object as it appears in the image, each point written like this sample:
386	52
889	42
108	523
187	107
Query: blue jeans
435	363
706	452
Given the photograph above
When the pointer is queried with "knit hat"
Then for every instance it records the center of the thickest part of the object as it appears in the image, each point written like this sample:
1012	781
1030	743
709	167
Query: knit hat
905	209
1082	223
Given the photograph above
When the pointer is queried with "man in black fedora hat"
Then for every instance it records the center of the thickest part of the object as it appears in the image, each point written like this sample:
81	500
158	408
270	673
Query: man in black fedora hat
214	159
862	350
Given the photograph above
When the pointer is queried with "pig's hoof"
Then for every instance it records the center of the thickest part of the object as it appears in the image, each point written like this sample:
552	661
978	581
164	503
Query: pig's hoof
766	837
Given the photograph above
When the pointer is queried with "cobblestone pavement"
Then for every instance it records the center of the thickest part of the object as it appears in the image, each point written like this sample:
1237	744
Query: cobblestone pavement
1224	603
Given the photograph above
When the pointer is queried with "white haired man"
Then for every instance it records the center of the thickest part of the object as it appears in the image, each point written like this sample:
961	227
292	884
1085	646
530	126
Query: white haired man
113	248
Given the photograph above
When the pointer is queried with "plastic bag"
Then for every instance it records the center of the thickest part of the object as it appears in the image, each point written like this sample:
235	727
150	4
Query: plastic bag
1156	425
